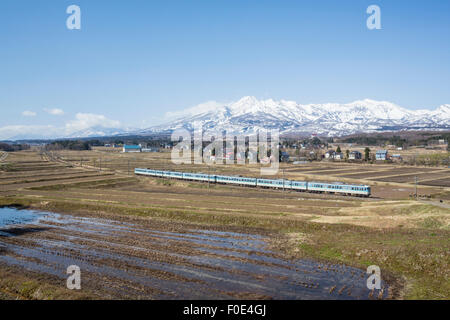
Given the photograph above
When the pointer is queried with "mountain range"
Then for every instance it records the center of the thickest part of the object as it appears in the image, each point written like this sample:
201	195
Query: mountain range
250	114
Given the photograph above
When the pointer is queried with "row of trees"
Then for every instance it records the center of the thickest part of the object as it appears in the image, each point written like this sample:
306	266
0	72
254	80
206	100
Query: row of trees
404	140
68	145
13	147
378	140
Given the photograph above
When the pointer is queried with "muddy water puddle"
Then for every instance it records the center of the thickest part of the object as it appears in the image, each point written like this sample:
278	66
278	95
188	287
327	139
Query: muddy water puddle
132	260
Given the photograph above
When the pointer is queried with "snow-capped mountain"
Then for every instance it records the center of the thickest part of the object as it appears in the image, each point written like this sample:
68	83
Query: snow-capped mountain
99	131
250	114
51	132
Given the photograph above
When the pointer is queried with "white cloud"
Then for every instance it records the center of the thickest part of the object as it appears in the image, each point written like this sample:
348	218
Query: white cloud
88	120
55	111
28	113
82	122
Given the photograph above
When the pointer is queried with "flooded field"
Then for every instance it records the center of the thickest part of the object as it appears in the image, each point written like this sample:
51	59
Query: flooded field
152	259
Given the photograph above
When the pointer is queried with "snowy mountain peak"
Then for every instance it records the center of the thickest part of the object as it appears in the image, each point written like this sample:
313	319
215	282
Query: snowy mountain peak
444	109
250	114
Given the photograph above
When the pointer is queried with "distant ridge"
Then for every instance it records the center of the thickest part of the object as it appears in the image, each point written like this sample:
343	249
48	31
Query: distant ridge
250	114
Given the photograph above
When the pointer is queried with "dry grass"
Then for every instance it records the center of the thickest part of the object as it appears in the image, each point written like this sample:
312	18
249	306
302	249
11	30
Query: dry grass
407	239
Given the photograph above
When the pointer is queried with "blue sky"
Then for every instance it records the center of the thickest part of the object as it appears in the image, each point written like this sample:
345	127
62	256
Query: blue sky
133	61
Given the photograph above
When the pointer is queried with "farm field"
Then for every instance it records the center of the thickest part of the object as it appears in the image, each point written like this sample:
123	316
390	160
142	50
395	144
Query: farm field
109	158
439	182
195	239
392	172
423	178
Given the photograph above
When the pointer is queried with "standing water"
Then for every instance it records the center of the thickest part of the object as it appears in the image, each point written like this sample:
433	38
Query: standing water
158	260
12	216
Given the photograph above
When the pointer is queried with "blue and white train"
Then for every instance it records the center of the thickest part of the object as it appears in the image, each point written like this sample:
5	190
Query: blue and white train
309	186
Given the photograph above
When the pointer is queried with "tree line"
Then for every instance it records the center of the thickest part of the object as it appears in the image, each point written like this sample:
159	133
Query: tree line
13	147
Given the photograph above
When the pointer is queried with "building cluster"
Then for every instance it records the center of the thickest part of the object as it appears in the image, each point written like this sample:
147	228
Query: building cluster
380	155
331	154
127	148
334	155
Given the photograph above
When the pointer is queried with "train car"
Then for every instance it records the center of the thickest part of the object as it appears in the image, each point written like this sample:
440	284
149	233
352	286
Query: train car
159	173
270	183
142	171
196	177
299	185
236	180
222	179
147	172
338	188
362	190
165	174
173	174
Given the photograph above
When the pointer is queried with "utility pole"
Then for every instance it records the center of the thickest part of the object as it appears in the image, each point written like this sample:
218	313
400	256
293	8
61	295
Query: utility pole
283	180
81	162
415	178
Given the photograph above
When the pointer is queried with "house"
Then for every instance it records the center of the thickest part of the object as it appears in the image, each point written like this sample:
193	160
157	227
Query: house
338	156
355	155
330	154
132	148
396	158
381	155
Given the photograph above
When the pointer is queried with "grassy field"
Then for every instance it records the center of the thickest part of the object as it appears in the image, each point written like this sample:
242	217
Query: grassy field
408	239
